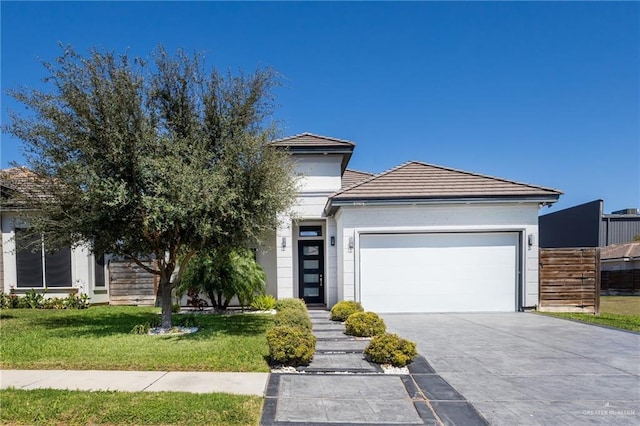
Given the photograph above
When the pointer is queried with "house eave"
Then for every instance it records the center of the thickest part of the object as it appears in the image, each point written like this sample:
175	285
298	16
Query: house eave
333	204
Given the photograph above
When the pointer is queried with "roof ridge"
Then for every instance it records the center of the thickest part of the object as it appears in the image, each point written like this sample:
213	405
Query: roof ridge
485	176
329	138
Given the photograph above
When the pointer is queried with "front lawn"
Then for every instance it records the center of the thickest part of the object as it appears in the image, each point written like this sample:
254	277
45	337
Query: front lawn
47	406
98	338
615	311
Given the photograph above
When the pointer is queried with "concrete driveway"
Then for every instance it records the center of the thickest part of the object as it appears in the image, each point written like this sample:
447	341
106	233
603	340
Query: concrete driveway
528	369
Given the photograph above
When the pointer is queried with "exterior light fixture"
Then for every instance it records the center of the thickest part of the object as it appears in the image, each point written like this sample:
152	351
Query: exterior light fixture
531	239
284	243
333	241
351	244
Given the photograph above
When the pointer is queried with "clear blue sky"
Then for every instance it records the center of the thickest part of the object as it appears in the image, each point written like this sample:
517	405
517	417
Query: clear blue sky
545	93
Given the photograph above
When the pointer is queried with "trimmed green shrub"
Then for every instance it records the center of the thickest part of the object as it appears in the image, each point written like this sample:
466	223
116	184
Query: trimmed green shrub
391	349
342	310
364	324
264	303
290	303
293	318
290	346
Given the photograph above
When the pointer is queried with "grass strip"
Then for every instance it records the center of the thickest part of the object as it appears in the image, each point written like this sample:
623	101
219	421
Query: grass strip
624	322
62	407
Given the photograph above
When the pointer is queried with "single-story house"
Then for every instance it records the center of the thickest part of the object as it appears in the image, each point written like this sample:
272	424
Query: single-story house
416	238
65	271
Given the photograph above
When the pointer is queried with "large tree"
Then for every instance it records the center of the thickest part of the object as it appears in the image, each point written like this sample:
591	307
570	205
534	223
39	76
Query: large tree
158	157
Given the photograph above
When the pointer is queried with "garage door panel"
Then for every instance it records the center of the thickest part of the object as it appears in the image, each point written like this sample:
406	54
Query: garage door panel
438	272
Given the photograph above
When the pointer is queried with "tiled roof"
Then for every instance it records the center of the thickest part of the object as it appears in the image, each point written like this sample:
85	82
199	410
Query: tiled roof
18	184
417	180
351	177
620	251
311	140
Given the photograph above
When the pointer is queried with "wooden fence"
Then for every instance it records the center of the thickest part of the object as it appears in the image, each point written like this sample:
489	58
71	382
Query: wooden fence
570	280
129	284
624	282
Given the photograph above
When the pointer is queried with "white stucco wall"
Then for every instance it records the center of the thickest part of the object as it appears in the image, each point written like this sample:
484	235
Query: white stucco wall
318	173
82	266
353	220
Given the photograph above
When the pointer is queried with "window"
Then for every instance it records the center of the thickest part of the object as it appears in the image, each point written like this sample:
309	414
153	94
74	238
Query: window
98	270
310	231
35	268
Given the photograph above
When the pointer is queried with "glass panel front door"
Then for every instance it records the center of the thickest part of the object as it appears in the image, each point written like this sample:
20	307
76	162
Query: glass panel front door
311	271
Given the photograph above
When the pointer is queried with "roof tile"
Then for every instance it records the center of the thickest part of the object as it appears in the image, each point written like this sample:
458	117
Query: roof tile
417	180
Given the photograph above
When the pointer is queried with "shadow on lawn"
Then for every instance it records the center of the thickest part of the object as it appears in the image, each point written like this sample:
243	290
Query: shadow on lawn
102	324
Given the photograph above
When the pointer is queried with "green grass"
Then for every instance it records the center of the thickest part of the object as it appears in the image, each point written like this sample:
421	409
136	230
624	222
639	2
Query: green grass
98	338
61	407
615	311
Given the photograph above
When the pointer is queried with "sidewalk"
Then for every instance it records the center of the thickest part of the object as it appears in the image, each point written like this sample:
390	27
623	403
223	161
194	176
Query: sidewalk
136	381
340	386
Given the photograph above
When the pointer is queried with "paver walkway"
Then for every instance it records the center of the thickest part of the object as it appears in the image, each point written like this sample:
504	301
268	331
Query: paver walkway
341	387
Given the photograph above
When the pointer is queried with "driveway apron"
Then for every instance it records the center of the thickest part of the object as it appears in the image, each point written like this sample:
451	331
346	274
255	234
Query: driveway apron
340	387
529	369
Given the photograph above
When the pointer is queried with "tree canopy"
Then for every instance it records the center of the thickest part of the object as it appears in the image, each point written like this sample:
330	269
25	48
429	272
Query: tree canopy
157	158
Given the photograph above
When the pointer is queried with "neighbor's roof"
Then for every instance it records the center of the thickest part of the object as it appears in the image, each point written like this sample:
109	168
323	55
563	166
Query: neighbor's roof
620	251
417	180
17	183
308	140
351	177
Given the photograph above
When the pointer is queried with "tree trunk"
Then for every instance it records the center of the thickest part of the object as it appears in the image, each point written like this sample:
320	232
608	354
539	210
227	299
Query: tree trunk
165	300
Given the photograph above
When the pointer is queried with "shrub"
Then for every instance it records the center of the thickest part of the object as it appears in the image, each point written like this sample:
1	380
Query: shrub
290	345
264	302
73	301
175	308
391	349
293	318
290	303
342	310
364	324
32	299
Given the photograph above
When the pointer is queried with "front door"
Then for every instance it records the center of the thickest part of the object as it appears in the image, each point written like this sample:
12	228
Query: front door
311	271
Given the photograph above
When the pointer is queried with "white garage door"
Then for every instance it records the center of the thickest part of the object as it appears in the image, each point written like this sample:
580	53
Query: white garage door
448	272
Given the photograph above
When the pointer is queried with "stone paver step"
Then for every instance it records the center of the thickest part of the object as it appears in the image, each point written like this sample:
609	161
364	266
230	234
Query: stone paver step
341	345
340	362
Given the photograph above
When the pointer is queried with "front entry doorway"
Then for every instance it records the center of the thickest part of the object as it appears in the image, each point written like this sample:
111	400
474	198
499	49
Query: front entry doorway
311	271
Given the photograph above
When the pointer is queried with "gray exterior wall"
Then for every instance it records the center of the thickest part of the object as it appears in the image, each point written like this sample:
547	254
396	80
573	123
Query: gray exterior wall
577	226
585	226
619	229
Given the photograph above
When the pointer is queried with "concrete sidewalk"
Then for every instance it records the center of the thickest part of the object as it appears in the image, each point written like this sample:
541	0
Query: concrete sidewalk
136	381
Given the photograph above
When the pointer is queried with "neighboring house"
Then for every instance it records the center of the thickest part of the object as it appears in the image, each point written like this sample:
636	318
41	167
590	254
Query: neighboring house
620	269
416	238
21	269
586	225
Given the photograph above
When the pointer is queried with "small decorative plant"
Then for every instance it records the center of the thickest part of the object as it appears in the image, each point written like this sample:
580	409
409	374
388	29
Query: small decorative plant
293	318
342	310
364	324
290	303
391	349
290	345
264	302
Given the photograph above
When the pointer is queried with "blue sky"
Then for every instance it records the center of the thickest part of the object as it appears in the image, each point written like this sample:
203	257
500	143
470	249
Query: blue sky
546	93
